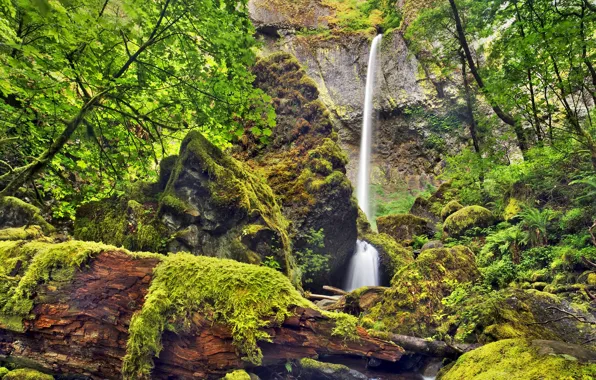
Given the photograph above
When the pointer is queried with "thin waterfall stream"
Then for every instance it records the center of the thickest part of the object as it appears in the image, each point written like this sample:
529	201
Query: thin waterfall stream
364	265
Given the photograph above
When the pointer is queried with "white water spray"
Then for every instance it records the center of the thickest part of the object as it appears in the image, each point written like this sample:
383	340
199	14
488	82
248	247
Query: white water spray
364	265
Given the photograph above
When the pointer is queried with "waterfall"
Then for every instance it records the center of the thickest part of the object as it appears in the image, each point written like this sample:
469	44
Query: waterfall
364	265
363	185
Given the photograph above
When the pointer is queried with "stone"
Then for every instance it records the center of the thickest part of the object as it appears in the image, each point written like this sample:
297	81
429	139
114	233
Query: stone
314	369
431	244
467	218
17	213
450	208
403	227
524	359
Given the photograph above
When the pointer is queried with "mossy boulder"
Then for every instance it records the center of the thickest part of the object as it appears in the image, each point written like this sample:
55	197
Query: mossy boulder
17	213
304	165
524	359
450	208
517	313
26	374
467	218
313	369
237	375
403	227
393	256
430	207
121	222
413	304
216	206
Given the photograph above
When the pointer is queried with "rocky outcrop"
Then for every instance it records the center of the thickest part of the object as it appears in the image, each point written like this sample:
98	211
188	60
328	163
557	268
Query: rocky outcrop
415	126
524	359
305	167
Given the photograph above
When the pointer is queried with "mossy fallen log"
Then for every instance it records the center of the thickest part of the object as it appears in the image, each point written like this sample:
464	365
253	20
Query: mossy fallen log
89	309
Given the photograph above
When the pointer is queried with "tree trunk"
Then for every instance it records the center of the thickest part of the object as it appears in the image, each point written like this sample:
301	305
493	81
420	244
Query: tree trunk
470	106
81	328
505	117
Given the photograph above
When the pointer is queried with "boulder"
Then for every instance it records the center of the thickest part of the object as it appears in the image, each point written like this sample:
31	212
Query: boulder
313	369
403	227
17	213
517	313
431	244
467	218
450	208
430	208
413	304
524	359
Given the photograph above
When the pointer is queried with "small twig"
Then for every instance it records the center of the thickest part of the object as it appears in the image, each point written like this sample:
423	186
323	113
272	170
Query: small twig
588	262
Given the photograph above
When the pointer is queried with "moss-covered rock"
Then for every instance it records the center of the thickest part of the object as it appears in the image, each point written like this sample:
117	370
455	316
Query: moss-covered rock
3	372
17	213
430	208
403	227
304	165
413	303
26	374
237	375
516	313
121	222
466	218
524	359
313	369
450	208
21	233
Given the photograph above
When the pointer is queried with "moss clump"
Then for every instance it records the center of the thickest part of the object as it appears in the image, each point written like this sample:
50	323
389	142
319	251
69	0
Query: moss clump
460	221
26	374
3	372
522	359
21	233
513	208
121	222
403	227
413	303
27	265
450	208
237	375
247	298
13	209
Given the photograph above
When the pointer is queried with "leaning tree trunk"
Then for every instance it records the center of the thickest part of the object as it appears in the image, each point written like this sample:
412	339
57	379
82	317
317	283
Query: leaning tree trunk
81	328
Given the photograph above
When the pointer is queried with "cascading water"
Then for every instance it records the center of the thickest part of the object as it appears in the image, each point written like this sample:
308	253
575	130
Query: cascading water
364	265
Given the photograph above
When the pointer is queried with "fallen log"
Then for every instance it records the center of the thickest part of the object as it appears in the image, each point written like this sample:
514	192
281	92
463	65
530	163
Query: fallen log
81	328
335	290
435	348
312	296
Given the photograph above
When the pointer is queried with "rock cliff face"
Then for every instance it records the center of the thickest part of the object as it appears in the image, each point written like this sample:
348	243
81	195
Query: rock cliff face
414	127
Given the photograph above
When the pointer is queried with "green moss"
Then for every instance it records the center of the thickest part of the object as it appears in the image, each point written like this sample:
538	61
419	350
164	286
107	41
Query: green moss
316	368
472	216
174	203
103	221
239	374
519	359
403	227
393	256
27	265
514	207
3	372
24	209
450	208
413	303
26	374
21	233
247	298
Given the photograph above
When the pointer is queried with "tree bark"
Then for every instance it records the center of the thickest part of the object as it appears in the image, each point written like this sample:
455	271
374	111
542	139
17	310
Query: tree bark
435	348
81	328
